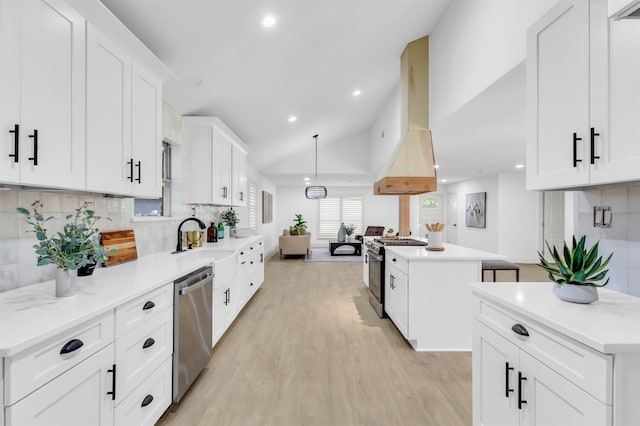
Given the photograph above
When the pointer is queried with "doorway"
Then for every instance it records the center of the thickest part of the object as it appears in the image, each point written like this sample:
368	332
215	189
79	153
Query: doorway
452	218
430	211
552	221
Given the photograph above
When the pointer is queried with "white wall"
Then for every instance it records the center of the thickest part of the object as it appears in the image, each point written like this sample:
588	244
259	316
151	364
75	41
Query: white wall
388	121
378	210
473	45
269	230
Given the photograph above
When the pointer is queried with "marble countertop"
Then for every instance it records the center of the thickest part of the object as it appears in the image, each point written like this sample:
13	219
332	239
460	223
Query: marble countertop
450	252
609	325
31	314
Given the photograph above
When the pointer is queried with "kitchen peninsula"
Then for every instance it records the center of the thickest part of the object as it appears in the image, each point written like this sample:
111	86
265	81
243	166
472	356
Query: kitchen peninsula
427	295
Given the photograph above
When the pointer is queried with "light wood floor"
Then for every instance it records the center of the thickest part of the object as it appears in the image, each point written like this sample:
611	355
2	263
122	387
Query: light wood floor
309	350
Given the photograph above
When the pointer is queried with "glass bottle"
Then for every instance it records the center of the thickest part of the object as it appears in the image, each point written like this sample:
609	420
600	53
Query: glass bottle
212	233
220	230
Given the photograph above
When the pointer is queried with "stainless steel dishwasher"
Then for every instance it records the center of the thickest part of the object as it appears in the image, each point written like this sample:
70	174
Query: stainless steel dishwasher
192	309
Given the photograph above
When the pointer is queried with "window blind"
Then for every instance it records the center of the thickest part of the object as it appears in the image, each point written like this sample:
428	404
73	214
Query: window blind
253	206
335	210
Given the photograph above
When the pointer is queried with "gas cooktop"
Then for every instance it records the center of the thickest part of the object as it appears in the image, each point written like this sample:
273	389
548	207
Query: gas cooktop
391	241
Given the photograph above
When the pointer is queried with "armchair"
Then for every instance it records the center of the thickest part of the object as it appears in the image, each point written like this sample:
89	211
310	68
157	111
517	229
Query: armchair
294	244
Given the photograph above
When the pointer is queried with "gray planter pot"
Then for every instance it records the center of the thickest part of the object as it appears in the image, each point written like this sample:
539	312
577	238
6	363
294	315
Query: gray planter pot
576	293
65	283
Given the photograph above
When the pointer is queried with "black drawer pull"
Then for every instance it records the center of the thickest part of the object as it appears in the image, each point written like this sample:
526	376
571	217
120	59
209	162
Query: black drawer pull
16	143
507	389
519	329
251	284
148	305
521	401
70	346
148	343
139	166
147	400
130	163
594	157
576	160
34	136
393	260
113	383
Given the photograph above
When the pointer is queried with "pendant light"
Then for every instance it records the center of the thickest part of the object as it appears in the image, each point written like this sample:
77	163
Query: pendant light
316	192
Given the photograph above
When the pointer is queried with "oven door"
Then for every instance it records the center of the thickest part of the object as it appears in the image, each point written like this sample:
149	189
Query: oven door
376	275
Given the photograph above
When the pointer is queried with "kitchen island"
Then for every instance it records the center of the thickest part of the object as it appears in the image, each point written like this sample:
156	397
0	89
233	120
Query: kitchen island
427	294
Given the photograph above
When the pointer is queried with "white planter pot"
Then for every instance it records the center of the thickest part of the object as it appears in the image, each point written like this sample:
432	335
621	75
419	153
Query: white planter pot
65	283
576	293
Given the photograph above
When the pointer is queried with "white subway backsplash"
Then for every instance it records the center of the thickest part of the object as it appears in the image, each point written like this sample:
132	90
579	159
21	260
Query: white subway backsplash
622	238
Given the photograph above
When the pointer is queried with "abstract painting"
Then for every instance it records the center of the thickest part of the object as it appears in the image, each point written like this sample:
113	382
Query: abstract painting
476	210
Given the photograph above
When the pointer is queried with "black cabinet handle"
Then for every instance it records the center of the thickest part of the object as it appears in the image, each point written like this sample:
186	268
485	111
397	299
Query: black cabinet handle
241	196
147	400
250	284
520	329
34	136
224	192
594	157
130	163
392	282
575	150
506	379
113	383
148	305
148	343
521	401
241	253
139	166
393	260
251	262
261	257
16	142
71	345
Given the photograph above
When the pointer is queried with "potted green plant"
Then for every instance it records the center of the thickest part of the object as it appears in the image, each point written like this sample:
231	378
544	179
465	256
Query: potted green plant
230	218
390	232
577	272
76	246
300	227
348	229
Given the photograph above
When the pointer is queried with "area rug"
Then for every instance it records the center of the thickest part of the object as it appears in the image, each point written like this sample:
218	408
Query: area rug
322	255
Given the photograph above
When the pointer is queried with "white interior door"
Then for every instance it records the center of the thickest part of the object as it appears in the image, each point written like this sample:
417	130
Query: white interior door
452	219
553	221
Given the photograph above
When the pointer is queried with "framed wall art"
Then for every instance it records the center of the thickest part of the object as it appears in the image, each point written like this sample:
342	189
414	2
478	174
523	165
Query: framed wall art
475	211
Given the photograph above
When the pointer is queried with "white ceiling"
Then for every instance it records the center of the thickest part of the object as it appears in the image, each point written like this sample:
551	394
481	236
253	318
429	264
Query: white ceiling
308	65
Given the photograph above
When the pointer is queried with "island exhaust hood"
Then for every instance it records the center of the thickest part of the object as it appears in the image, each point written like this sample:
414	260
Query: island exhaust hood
412	167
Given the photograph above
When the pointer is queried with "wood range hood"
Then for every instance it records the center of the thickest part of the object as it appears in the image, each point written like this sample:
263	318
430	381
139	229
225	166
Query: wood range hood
411	169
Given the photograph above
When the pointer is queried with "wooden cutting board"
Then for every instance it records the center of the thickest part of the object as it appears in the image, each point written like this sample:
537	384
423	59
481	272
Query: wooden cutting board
124	242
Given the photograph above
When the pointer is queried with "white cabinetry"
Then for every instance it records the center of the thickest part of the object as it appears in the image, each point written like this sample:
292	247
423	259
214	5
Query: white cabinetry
226	270
251	269
42	87
123	121
365	268
396	298
583	98
217	163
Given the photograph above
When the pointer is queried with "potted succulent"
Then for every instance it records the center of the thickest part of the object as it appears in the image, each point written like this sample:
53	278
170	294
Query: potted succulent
577	272
74	247
230	218
390	232
300	227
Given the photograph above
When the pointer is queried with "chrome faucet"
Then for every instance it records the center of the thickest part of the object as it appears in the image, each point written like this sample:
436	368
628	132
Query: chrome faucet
200	223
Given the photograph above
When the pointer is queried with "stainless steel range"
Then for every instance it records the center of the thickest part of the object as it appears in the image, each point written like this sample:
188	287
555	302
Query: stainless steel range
375	250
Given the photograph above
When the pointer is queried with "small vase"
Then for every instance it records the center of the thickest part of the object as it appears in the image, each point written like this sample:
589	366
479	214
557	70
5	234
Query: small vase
576	293
65	282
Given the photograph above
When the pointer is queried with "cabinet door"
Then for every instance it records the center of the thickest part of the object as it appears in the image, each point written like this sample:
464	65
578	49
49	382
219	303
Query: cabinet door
558	97
52	95
397	298
200	165
146	133
495	375
220	312
239	175
108	115
553	400
76	398
9	91
221	166
620	159
365	268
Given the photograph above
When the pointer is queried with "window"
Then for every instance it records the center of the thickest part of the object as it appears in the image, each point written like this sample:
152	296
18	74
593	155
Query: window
253	206
335	210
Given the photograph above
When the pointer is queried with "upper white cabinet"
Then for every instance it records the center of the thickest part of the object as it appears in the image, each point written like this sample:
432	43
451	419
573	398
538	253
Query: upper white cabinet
583	98
124	138
216	163
42	87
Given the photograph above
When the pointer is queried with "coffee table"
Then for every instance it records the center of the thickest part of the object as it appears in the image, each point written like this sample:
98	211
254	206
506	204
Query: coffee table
357	247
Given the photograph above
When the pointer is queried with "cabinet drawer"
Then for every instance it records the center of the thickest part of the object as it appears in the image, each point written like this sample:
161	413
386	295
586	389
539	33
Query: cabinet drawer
398	262
38	365
588	369
134	361
147	402
133	313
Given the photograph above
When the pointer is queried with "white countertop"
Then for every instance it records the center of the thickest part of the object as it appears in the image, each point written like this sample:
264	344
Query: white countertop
610	325
450	252
31	314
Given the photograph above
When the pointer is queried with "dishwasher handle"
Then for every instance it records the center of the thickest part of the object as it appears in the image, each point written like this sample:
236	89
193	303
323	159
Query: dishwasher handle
208	278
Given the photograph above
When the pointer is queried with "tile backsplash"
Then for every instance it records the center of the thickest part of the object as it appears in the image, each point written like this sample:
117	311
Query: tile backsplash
18	259
622	238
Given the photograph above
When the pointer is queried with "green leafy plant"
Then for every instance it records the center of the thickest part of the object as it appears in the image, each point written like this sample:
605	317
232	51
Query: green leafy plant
300	227
230	217
75	246
348	229
577	265
390	231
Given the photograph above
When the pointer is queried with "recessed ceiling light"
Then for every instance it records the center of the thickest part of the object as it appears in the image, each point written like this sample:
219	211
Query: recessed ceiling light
443	180
357	92
437	166
292	118
519	166
307	179
268	21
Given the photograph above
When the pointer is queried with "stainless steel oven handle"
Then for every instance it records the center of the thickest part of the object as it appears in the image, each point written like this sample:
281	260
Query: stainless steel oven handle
374	257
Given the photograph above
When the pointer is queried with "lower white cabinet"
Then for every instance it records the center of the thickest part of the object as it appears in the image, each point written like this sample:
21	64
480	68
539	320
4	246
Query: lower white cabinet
396	298
78	397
